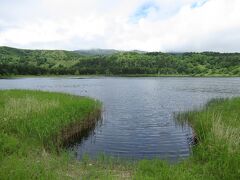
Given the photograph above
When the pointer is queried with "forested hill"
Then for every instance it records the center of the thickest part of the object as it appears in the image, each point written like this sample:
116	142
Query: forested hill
37	62
94	52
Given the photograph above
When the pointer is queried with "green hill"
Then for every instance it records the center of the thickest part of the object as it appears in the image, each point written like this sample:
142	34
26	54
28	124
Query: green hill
112	62
94	52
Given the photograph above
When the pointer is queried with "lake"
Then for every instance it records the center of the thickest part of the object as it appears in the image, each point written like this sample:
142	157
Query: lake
138	113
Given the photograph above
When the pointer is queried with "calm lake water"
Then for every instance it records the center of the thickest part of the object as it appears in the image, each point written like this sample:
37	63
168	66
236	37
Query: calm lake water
138	117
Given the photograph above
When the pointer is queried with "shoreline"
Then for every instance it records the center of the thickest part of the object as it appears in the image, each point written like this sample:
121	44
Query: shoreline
121	75
23	153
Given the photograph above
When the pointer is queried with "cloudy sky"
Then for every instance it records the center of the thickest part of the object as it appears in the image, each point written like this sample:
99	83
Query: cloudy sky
155	25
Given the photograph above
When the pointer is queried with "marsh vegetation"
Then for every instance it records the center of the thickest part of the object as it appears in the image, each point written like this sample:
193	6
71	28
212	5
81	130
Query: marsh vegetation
31	124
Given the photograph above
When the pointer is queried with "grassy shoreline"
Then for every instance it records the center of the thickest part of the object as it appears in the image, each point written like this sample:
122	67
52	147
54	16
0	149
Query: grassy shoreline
29	120
33	124
217	154
120	75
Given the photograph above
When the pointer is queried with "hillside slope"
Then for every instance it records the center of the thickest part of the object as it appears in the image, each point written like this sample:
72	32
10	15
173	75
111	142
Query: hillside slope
36	62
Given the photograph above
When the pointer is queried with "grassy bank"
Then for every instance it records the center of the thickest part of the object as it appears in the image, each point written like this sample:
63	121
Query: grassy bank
32	124
30	121
217	154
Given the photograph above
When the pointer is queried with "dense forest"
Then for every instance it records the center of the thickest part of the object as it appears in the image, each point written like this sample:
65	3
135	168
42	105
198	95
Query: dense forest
46	62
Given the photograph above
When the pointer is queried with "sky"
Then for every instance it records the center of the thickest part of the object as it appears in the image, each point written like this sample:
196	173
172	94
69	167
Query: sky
149	25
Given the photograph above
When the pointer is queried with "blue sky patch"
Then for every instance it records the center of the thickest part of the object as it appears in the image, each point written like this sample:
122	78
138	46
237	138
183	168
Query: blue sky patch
143	11
198	4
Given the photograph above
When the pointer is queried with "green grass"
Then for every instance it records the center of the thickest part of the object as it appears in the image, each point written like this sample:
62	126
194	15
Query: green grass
29	121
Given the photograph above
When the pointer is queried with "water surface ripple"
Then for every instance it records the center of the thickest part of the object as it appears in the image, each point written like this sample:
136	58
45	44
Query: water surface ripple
138	118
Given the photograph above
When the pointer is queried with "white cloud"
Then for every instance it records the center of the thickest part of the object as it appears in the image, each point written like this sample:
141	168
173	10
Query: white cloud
173	25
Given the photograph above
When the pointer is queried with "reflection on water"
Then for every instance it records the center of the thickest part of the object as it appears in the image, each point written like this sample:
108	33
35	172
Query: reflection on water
138	118
83	131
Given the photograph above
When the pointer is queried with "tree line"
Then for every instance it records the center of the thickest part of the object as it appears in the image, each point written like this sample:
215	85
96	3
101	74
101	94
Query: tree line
42	62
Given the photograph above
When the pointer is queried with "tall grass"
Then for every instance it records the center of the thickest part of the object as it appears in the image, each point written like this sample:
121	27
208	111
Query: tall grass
30	121
41	115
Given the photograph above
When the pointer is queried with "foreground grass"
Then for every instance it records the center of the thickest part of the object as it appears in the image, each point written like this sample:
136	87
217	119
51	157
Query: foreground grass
29	120
29	123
